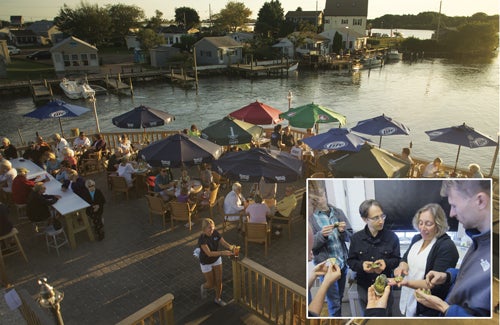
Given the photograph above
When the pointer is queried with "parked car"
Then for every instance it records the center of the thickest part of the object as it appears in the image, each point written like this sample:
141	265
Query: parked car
13	50
39	55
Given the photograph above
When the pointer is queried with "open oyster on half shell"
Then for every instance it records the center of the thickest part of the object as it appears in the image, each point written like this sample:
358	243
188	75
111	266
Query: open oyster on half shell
379	285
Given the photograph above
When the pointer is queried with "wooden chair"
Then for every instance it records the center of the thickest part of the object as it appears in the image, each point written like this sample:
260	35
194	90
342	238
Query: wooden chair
182	211
270	203
212	200
119	185
289	220
257	233
156	205
92	164
220	207
219	179
9	247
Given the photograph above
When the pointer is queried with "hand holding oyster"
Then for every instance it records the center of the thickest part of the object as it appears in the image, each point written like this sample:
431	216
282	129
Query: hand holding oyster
379	285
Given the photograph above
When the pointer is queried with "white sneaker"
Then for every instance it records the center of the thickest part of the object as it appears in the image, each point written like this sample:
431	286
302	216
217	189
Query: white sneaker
277	233
203	291
220	302
187	224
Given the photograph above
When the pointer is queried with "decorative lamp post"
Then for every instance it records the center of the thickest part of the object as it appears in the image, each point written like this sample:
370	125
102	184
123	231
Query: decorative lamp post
50	298
289	97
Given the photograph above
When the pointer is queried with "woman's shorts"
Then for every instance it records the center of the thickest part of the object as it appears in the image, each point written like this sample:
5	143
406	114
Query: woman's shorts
205	268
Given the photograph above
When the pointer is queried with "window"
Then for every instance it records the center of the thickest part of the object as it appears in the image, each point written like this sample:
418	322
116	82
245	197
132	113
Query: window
85	59
344	21
327	21
93	57
66	60
357	22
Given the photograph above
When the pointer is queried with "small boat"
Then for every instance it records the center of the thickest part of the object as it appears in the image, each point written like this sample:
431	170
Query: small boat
76	89
356	65
394	55
371	62
293	67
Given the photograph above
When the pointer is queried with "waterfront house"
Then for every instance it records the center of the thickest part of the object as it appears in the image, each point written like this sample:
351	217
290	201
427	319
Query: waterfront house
23	37
314	18
46	31
74	55
218	50
287	47
160	55
241	37
173	34
348	18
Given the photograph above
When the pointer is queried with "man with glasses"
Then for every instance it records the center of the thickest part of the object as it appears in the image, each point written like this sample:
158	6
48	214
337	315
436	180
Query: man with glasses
373	251
331	230
96	199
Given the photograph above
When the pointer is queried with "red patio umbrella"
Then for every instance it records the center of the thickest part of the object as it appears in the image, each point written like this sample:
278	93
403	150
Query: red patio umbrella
257	113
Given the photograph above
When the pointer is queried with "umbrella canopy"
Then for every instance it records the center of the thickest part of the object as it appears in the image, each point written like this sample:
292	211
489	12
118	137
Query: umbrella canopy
307	116
381	125
336	139
251	165
369	162
257	113
230	131
142	117
57	109
178	150
461	135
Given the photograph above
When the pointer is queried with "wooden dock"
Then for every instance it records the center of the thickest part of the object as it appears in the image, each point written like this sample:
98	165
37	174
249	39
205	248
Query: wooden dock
117	85
41	92
253	70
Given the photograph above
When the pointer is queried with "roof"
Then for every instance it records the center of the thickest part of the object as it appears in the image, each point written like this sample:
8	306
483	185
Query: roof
41	27
302	14
221	41
69	40
346	8
22	32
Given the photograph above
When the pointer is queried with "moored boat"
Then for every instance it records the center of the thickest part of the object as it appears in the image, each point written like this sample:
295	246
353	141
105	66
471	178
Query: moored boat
75	89
394	55
293	67
99	90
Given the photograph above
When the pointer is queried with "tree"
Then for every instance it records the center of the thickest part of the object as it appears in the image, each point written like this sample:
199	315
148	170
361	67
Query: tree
124	18
87	22
188	17
232	17
475	38
149	38
270	19
155	22
337	43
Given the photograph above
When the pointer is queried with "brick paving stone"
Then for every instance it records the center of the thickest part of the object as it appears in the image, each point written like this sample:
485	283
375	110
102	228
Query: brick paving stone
138	262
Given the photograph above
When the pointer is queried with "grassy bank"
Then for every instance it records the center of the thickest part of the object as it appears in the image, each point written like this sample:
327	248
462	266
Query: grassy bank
22	69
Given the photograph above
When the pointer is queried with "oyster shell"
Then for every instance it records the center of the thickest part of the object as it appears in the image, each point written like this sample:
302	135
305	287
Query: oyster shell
398	278
379	285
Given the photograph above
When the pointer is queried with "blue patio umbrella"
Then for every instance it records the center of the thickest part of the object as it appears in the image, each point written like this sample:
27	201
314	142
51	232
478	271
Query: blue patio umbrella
180	150
336	139
381	125
251	165
142	117
57	109
461	135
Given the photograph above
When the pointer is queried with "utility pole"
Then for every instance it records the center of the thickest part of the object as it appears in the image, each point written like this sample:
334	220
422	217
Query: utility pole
439	20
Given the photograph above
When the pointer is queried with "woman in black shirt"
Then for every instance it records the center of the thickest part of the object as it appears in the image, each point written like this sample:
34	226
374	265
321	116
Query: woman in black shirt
210	259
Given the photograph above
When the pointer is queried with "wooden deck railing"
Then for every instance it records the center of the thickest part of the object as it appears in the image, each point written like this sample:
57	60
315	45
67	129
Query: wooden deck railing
160	311
273	297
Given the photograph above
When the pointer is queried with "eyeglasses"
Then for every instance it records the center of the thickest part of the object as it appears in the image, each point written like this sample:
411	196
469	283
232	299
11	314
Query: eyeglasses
93	185
426	223
377	218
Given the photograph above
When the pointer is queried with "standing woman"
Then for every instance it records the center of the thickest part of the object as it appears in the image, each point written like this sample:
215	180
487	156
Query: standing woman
211	259
373	251
432	249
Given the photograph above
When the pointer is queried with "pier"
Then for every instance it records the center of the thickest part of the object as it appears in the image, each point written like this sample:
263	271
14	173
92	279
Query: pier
41	92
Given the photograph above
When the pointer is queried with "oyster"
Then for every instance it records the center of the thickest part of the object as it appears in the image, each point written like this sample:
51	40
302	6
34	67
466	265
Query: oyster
336	225
375	265
426	291
379	285
398	278
332	260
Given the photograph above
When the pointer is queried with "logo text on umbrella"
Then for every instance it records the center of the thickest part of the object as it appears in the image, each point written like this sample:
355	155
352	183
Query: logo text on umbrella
335	145
59	113
322	117
198	161
244	177
480	142
280	178
165	162
387	131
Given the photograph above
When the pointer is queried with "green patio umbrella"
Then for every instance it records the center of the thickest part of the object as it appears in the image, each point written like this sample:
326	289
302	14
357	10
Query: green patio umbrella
307	116
230	131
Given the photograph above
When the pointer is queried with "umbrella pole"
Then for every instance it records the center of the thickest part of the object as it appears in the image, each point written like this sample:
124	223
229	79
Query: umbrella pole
22	140
380	142
60	126
93	100
495	156
456	160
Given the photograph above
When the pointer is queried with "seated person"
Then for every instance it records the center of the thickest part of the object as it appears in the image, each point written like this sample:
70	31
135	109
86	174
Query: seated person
59	144
475	171
31	153
69	156
82	142
126	170
114	161
21	187
53	165
7	175
432	169
125	146
257	211
204	198
162	183
38	204
75	183
9	151
183	195
206	176
184	179
297	150
234	203
288	138
99	144
63	173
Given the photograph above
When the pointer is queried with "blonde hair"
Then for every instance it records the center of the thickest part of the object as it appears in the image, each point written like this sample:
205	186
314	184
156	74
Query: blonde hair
439	216
206	223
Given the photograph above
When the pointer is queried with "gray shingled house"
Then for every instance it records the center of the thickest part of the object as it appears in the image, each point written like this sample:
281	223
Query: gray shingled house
218	50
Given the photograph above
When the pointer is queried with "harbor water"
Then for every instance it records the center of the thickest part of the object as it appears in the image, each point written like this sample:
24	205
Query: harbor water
424	95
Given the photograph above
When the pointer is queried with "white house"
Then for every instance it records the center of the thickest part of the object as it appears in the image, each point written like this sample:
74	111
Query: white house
74	55
348	18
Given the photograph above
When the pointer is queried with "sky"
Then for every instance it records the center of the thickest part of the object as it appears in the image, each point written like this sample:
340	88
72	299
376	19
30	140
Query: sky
48	9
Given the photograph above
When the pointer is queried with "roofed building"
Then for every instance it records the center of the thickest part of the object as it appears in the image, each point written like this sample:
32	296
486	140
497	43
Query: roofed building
314	18
74	55
218	50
